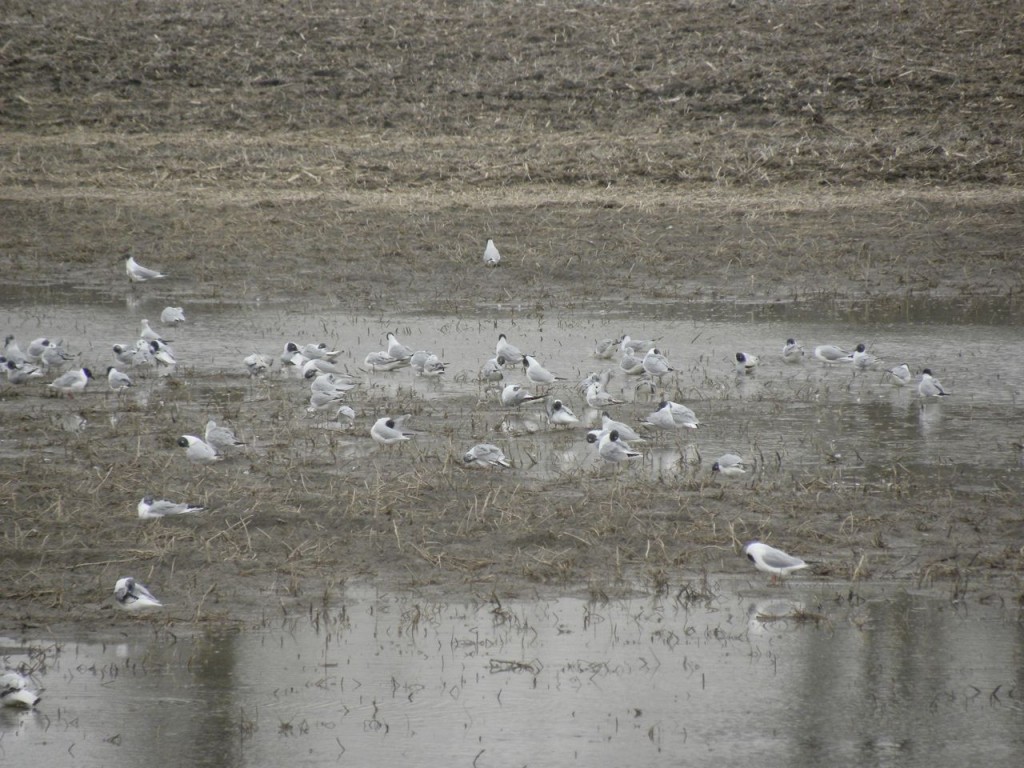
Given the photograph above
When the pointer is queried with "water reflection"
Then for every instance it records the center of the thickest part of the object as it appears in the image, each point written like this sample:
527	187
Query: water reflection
797	675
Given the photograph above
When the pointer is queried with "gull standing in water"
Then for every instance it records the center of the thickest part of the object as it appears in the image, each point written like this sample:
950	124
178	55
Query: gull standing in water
900	375
491	256
138	273
656	364
772	560
485	455
929	386
861	358
491	370
599	397
627	344
604	348
133	596
152	509
611	448
625	431
630	364
536	372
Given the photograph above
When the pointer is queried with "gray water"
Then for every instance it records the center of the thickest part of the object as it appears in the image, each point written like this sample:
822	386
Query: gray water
736	673
794	423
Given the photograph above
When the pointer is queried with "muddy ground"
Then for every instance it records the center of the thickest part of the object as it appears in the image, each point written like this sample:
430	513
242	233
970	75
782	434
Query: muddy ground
359	154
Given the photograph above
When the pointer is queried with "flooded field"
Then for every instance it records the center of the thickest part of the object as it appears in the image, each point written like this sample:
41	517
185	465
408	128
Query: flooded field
721	670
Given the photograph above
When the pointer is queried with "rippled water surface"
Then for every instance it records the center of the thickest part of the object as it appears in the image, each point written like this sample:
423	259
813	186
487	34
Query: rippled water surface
731	672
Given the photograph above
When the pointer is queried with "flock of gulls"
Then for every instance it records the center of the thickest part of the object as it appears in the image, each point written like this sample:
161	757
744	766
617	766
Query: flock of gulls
330	383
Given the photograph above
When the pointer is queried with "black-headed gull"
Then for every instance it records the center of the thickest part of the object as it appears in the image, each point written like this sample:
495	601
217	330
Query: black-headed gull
514	395
611	448
14	691
485	455
536	372
117	380
900	375
71	382
198	451
929	386
388	431
792	351
508	351
396	348
133	596
152	509
729	465
745	362
559	414
671	415
656	364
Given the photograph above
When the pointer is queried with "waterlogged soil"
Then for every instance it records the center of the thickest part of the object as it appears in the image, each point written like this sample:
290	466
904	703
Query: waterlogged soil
359	155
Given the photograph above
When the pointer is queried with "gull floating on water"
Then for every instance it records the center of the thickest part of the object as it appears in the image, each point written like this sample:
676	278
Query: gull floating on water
745	362
138	273
792	351
172	315
491	256
151	509
71	382
133	596
485	455
198	451
14	691
929	386
772	560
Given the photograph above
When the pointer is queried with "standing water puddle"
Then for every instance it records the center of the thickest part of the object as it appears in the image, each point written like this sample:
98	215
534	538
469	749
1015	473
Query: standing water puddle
793	422
736	673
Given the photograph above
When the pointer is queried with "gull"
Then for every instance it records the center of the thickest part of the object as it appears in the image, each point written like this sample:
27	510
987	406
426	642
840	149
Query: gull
220	438
536	372
485	455
433	367
317	365
138	273
792	351
382	361
514	395
625	431
71	382
258	364
598	397
47	353
124	354
511	353
117	380
745	362
656	364
19	374
318	351
14	691
161	353
12	351
291	353
151	509
388	431
397	349
198	451
491	256
604	348
345	412
330	382
830	353
601	378
901	375
631	364
36	348
627	344
149	334
729	465
491	370
772	560
861	358
133	596
559	414
672	415
611	448
320	399
418	360
929	386
172	315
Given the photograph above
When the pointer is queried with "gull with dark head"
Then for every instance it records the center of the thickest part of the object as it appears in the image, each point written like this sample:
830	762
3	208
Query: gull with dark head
772	560
15	691
792	351
198	451
133	596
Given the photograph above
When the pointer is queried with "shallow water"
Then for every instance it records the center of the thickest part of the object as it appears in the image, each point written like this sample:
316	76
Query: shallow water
795	423
736	673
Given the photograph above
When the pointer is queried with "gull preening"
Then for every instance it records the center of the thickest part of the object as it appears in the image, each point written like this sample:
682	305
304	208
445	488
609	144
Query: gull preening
830	354
929	386
745	362
198	451
772	560
485	455
514	395
491	371
625	431
656	364
172	316
511	353
258	364
14	691
220	438
397	349
599	397
536	372
388	431
630	364
670	415
153	509
729	465
138	273
133	596
792	351
900	375
491	256
559	414
117	380
382	361
861	358
20	373
627	344
604	348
